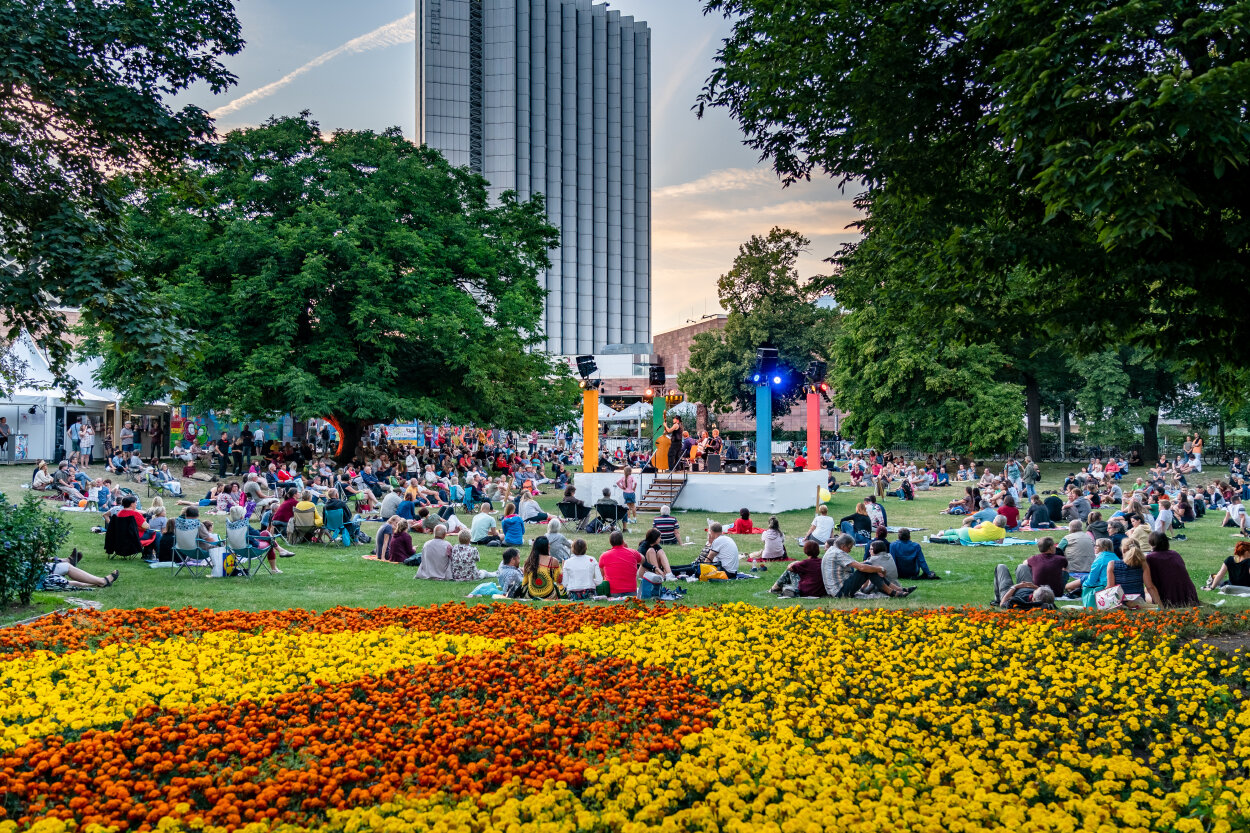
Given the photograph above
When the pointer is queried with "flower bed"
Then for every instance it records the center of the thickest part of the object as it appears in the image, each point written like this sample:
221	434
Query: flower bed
623	718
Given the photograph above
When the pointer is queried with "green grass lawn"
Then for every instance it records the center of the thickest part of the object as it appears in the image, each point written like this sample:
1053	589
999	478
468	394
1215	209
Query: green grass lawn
321	577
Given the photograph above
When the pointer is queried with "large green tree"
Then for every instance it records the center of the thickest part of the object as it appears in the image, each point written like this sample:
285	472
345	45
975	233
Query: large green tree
83	87
768	304
358	277
1114	133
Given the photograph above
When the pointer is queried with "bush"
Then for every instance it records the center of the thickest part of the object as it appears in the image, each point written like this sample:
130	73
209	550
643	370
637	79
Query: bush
29	539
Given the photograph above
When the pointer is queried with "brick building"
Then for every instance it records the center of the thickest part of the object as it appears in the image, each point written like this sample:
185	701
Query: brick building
672	349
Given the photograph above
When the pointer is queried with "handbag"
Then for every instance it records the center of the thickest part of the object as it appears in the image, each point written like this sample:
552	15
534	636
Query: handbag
1109	598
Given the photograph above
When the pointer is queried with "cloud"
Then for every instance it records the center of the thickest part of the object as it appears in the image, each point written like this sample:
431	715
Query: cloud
697	227
730	179
392	34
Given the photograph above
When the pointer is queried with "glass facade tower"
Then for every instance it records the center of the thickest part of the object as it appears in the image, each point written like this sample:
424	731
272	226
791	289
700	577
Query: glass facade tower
553	97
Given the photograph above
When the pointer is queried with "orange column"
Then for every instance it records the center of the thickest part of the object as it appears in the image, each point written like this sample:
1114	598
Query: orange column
813	431
590	430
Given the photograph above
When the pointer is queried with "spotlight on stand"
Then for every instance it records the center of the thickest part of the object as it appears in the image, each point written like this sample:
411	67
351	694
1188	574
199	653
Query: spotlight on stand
816	371
648	395
776	380
765	360
586	366
755	378
590	384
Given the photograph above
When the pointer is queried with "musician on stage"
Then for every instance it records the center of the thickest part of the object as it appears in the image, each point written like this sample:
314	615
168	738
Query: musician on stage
674	432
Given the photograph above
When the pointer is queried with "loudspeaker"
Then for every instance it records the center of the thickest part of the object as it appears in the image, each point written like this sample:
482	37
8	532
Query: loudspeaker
713	462
735	467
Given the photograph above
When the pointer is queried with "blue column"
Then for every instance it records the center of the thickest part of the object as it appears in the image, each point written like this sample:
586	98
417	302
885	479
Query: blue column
763	429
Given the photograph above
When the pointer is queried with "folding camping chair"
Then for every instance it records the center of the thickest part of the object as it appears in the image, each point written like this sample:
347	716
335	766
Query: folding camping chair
335	527
610	515
159	488
249	559
304	527
187	554
576	513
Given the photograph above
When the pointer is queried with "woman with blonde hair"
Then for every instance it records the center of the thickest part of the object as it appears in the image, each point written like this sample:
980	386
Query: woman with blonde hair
1130	573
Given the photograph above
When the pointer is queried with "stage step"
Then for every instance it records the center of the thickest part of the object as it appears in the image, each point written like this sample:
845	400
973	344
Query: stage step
663	491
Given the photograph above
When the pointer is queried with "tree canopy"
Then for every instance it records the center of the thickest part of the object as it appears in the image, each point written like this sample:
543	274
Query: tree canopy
1092	154
359	277
768	304
82	98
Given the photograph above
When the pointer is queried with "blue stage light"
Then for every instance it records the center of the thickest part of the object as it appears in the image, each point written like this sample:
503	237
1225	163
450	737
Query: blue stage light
755	378
776	380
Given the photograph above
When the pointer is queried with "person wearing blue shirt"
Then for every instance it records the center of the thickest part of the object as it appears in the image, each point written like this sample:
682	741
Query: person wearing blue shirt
513	527
986	515
405	509
909	557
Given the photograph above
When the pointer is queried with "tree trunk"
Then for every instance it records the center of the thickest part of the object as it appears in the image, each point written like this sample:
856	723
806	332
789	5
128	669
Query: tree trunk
1223	439
1150	439
350	431
1067	422
1033	416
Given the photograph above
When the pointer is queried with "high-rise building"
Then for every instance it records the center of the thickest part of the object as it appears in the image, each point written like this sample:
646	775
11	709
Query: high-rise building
553	97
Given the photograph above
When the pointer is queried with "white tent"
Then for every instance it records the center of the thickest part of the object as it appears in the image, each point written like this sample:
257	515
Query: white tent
638	412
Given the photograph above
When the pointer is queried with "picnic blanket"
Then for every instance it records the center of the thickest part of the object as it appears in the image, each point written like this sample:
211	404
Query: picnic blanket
1006	542
894	530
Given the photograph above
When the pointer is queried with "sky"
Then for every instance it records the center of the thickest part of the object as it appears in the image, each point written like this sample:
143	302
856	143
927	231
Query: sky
353	66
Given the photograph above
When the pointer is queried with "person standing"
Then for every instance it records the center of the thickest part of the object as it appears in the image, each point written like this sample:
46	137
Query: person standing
221	448
1198	445
86	440
628	485
674	432
75	432
248	448
258	440
128	436
4	435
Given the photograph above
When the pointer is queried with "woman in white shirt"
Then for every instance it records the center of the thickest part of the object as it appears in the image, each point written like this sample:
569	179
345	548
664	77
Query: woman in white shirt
581	575
822	526
86	441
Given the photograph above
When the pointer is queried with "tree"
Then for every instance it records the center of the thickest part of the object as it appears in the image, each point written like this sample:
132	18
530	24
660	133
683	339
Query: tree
361	278
82	98
1122	122
767	305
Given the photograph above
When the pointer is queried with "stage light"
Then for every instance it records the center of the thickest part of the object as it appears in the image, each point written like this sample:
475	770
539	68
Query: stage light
776	380
649	393
755	378
824	387
656	375
586	366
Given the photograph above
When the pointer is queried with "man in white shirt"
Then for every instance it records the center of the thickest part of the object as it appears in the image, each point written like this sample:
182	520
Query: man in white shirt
1235	514
258	440
723	550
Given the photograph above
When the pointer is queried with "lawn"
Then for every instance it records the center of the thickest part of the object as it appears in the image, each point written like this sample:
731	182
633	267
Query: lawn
321	577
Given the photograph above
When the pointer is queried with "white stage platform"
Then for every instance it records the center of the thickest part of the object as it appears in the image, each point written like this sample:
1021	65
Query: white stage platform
722	493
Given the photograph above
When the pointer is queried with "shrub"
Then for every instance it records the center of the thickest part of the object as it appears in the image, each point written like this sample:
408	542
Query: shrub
29	538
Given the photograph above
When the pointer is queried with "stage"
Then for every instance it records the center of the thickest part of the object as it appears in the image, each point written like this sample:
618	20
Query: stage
765	494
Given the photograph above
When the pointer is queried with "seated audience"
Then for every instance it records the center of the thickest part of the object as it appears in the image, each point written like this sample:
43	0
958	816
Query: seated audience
619	566
464	558
802	578
668	527
843	576
436	556
909	557
540	576
1167	580
581	574
1233	577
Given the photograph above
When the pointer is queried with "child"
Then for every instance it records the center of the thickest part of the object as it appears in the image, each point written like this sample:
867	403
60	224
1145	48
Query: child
104	498
509	577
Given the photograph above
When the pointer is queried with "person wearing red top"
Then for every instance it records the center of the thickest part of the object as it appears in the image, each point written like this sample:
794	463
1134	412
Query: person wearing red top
149	538
285	512
800	462
619	567
743	526
1009	511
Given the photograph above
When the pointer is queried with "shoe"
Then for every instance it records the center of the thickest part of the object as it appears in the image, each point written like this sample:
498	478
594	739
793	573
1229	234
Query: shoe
670	577
285	554
931	576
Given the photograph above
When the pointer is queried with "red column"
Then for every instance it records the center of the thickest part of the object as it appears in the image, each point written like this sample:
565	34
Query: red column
813	431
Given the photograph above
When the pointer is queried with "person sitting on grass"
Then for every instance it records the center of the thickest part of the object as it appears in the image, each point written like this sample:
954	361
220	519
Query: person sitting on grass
1129	573
561	547
1078	547
653	556
1104	555
668	527
541	574
744	525
513	527
774	543
857	524
582	577
464	558
400	548
909	558
1235	515
483	528
1037	516
382	540
1167	579
821	528
530	510
509	578
436	556
843	576
1233	577
619	566
802	578
960	506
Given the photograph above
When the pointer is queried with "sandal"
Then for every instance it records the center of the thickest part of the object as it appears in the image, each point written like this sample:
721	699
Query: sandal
112	577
